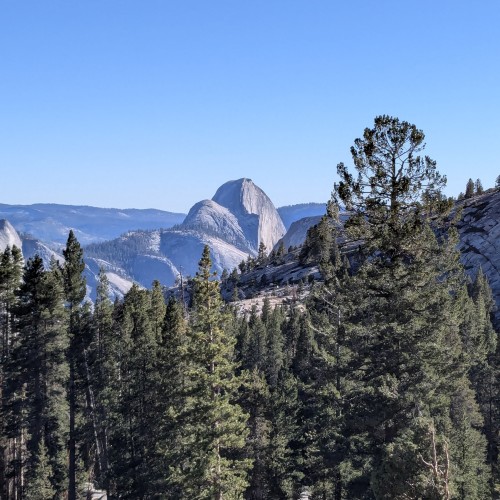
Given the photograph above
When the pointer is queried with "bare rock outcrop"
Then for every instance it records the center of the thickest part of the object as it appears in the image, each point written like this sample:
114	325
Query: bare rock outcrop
255	212
479	229
8	236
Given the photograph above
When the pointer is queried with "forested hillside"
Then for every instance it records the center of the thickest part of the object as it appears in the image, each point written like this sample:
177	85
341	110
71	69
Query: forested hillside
383	383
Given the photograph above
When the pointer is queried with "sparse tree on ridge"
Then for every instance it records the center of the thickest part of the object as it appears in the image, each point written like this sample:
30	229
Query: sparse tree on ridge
478	187
470	189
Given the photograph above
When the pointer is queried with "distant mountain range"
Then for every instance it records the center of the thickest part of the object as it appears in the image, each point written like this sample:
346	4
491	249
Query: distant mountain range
51	223
233	223
293	213
143	245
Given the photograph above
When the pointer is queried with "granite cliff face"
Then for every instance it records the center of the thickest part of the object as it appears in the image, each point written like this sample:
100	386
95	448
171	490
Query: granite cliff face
254	211
209	217
479	229
8	236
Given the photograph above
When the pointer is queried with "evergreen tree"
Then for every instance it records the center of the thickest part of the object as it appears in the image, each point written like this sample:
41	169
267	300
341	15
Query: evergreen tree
262	254
275	356
39	374
284	471
478	187
39	486
213	425
408	374
158	308
255	400
497	182
485	367
469	189
10	276
134	433
74	286
257	342
172	384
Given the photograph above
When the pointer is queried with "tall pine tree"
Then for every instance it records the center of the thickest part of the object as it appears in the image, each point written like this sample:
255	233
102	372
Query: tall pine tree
213	425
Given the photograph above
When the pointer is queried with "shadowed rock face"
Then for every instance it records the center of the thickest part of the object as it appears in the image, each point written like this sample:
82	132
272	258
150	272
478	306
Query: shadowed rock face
479	230
297	233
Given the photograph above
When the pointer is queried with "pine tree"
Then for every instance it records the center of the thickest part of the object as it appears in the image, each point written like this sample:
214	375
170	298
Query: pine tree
275	356
39	372
323	376
255	401
158	308
478	187
485	367
10	275
105	374
469	189
134	433
257	342
262	254
409	371
284	470
74	286
213	425
172	384
39	486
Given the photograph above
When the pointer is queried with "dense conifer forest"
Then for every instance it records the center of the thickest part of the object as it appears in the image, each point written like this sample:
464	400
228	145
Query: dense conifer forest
382	384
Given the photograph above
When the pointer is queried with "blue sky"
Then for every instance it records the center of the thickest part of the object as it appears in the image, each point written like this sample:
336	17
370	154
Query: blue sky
155	103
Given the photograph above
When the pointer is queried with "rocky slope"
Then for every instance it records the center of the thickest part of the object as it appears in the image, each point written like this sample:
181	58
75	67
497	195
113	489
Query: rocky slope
479	231
296	234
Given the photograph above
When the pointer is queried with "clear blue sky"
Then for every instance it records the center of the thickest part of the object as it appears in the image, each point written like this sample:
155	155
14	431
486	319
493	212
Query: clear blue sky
155	103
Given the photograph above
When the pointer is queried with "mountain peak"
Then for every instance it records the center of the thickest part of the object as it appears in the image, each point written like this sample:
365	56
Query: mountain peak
235	195
246	200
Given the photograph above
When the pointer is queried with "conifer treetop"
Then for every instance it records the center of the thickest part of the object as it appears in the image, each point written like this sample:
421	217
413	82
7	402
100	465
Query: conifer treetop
394	181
